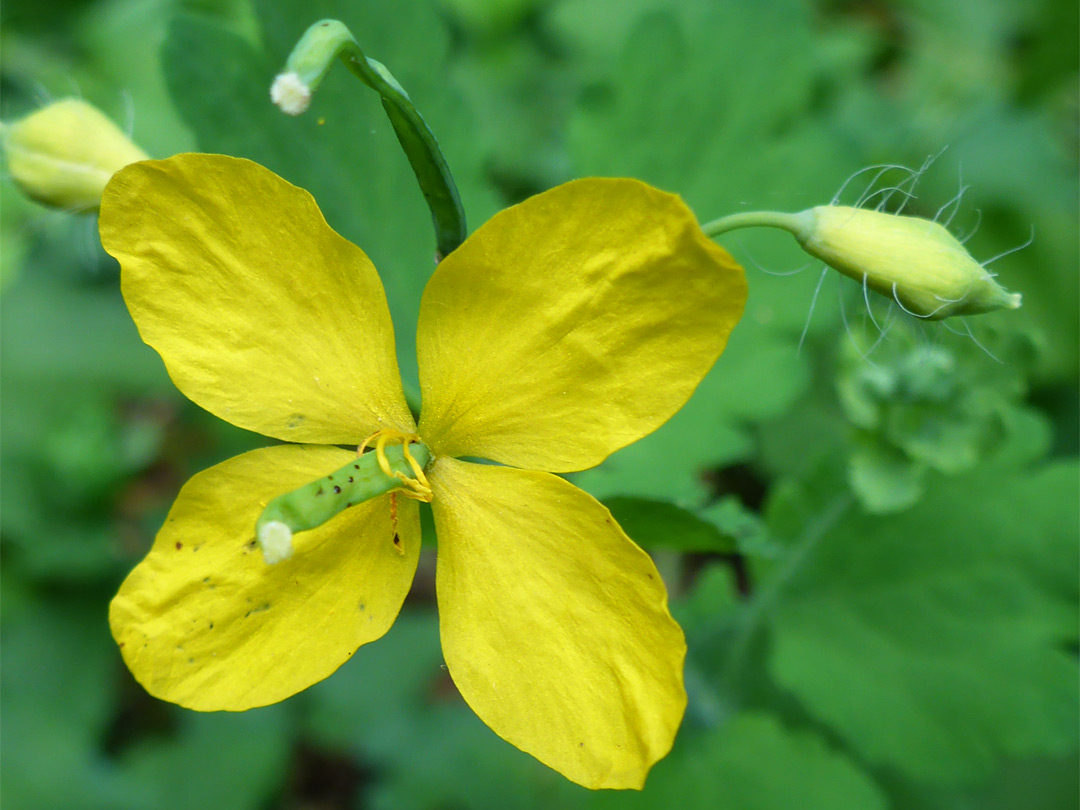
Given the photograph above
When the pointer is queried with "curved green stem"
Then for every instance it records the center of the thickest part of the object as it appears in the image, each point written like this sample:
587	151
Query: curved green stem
794	223
311	60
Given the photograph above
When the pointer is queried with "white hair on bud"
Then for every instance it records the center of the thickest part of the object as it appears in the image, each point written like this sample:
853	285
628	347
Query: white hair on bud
275	540
290	93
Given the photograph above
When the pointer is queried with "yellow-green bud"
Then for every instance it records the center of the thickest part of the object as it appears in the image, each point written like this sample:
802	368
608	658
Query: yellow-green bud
915	261
64	154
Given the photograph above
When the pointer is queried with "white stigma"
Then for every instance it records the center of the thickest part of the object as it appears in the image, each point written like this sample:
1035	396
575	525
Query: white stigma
275	540
290	94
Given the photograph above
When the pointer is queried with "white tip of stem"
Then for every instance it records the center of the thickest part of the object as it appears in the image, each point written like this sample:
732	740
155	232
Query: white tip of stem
290	94
275	540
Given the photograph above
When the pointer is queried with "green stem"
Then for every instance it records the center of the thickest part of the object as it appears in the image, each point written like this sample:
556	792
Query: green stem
310	61
765	599
793	223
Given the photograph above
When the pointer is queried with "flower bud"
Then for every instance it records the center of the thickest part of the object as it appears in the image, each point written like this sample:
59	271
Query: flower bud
914	261
64	154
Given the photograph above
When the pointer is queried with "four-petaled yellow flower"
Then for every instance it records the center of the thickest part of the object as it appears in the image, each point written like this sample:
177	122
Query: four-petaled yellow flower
562	330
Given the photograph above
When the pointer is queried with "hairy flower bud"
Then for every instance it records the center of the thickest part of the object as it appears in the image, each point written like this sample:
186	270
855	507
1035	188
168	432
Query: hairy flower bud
914	261
64	154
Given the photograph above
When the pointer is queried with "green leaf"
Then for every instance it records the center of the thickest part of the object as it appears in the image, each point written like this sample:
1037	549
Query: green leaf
233	760
934	641
656	525
882	477
745	526
58	669
753	763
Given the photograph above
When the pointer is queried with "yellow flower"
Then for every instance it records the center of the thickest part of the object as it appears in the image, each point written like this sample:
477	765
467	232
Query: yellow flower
562	330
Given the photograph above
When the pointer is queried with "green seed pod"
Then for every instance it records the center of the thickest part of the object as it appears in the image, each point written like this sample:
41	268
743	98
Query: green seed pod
915	261
64	154
314	504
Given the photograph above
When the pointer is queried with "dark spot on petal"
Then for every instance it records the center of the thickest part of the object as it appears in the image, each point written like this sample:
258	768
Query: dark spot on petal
350	479
122	643
320	491
337	490
179	545
211	625
356	466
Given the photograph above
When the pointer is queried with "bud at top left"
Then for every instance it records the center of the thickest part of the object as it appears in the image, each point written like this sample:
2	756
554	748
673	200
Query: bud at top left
64	154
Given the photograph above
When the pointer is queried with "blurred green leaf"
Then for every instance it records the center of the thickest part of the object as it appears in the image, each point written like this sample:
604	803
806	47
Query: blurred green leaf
211	760
933	641
58	668
746	527
656	524
753	763
79	334
1041	784
882	477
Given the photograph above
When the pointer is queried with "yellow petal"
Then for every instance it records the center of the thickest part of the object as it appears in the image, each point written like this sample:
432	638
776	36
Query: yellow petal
263	315
572	325
204	622
554	625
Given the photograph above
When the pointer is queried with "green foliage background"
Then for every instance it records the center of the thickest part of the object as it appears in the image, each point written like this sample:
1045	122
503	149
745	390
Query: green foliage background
874	557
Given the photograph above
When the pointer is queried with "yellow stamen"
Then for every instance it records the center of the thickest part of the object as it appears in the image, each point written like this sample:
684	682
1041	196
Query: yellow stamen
417	488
